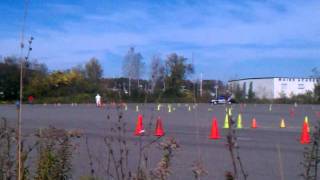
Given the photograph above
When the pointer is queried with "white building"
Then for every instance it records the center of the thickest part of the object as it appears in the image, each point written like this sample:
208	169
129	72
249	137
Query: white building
275	87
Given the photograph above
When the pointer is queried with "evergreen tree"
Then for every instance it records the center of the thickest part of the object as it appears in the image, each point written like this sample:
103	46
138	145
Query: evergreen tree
251	94
316	92
244	90
238	93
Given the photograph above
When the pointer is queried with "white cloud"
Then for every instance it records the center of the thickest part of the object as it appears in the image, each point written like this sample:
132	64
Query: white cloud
211	30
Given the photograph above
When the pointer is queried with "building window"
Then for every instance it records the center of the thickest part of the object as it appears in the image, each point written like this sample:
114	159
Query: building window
300	86
283	86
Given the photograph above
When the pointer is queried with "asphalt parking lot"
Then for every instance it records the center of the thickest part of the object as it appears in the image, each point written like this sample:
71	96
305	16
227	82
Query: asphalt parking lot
267	152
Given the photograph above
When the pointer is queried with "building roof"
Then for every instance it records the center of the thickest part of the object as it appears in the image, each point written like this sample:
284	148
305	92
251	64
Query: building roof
271	77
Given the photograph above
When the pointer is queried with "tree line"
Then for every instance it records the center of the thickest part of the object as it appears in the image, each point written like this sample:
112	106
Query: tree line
168	80
41	83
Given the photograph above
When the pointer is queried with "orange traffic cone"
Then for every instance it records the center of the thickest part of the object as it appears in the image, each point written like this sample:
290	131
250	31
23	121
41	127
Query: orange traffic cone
214	130
254	123
305	136
139	127
159	129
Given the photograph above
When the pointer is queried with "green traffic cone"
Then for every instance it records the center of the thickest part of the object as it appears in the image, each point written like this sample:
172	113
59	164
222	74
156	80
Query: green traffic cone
226	121
239	121
230	112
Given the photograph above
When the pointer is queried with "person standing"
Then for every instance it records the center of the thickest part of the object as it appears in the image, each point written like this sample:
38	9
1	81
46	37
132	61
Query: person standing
98	100
30	99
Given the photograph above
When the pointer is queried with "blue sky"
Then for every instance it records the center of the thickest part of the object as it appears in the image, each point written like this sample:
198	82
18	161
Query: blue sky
228	39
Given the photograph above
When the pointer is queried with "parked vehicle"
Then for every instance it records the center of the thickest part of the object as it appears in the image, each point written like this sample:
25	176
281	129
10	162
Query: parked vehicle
223	100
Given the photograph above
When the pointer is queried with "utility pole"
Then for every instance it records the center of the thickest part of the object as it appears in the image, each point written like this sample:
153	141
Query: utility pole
201	85
216	87
194	80
129	85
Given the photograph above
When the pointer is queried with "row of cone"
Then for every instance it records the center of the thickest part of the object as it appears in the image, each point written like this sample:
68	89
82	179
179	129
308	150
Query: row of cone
253	122
283	124
304	138
139	131
239	122
159	131
228	110
169	106
215	131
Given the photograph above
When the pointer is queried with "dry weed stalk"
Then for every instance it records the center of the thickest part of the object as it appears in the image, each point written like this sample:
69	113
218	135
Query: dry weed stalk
8	155
233	148
7	143
117	161
55	153
162	171
198	170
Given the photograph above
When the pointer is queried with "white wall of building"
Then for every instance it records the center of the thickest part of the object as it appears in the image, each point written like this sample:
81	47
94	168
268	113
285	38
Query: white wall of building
293	86
274	87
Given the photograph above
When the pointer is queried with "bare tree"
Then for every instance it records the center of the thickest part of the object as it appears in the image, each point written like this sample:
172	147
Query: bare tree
157	72
132	66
